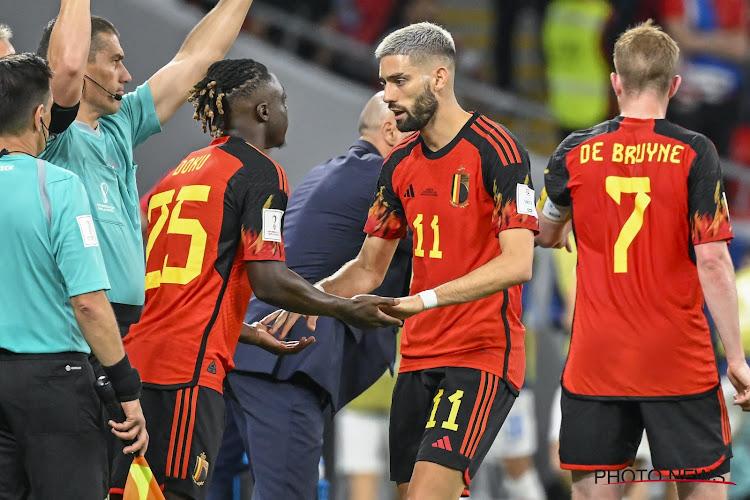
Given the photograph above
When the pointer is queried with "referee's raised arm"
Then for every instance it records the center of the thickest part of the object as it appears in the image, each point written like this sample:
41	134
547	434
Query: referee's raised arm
53	310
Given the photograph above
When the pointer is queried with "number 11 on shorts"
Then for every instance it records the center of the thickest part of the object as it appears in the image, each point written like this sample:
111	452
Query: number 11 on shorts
449	424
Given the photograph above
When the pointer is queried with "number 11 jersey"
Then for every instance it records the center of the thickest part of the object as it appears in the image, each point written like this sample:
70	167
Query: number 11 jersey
457	201
643	193
223	205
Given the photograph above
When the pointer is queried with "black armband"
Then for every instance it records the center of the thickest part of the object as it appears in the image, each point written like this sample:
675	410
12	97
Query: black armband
62	118
125	380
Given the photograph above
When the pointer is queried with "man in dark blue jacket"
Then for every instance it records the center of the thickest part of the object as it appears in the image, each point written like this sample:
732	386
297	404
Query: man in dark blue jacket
281	404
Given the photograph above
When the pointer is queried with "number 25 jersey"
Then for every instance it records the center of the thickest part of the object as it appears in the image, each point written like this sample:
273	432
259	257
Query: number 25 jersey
223	205
643	193
457	201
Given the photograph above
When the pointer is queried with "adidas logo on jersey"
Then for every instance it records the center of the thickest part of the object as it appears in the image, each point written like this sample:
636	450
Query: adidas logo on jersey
409	192
443	444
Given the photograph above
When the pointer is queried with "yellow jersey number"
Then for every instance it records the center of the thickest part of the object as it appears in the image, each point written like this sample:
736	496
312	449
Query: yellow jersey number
615	187
435	253
455	400
177	225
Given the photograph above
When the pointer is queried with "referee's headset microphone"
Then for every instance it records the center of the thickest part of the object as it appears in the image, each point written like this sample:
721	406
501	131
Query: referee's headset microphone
116	97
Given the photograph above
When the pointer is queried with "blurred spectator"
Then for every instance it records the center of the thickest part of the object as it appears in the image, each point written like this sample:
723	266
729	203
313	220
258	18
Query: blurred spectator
414	11
5	35
516	443
578	87
311	10
506	17
367	21
713	39
627	13
363	20
362	439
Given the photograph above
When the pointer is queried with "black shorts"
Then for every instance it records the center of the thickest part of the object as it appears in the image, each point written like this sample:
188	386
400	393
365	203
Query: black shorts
689	436
185	428
449	416
51	434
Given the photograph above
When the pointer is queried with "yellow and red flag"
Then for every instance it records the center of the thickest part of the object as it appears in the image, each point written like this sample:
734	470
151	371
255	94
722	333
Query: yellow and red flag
141	484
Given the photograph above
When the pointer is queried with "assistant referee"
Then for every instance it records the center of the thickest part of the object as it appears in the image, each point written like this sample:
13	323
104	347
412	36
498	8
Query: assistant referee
53	312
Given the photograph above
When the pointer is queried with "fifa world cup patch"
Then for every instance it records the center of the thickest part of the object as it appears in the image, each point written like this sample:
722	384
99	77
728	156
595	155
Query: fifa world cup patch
272	224
88	231
200	473
460	188
525	200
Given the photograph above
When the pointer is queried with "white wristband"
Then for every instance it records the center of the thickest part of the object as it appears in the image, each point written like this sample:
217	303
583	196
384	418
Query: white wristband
429	299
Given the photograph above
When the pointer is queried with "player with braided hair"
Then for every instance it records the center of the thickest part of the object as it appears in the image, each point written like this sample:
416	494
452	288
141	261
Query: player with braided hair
231	74
214	238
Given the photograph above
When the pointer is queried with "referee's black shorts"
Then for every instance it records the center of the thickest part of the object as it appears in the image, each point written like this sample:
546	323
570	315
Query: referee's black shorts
51	439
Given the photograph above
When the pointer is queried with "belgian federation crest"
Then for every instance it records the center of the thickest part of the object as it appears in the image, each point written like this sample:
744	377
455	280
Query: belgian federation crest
460	188
200	473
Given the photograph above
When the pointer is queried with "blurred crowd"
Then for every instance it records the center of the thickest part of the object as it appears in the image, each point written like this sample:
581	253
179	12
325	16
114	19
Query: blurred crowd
575	39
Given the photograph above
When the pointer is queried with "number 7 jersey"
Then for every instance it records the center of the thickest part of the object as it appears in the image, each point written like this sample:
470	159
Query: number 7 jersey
223	205
643	193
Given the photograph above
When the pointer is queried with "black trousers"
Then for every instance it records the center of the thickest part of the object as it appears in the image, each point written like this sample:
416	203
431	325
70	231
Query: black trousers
51	437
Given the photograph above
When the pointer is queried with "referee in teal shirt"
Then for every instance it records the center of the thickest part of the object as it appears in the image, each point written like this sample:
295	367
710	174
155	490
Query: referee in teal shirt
53	312
98	147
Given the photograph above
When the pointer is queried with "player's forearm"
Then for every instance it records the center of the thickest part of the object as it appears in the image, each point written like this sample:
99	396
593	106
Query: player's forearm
212	37
716	275
69	50
99	327
352	279
366	272
502	272
275	284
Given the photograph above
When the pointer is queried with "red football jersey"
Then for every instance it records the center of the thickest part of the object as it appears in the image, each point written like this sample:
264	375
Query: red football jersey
222	206
643	193
456	201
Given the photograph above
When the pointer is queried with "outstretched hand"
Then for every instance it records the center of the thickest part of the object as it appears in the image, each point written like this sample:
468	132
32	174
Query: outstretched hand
739	376
406	307
366	311
258	334
280	322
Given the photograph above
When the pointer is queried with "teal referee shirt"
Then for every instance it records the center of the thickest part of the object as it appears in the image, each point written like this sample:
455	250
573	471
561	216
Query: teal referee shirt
50	252
103	159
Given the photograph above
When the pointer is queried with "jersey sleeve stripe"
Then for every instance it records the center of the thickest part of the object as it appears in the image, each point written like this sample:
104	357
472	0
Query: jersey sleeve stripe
279	170
281	176
500	151
504	134
405	143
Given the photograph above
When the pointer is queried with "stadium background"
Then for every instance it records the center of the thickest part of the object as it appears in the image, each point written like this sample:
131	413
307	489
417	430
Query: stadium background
324	108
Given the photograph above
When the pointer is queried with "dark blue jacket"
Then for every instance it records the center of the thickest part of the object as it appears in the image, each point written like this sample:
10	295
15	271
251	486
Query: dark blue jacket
323	230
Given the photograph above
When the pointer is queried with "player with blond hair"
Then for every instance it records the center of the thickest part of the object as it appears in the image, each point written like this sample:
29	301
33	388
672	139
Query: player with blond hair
647	202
